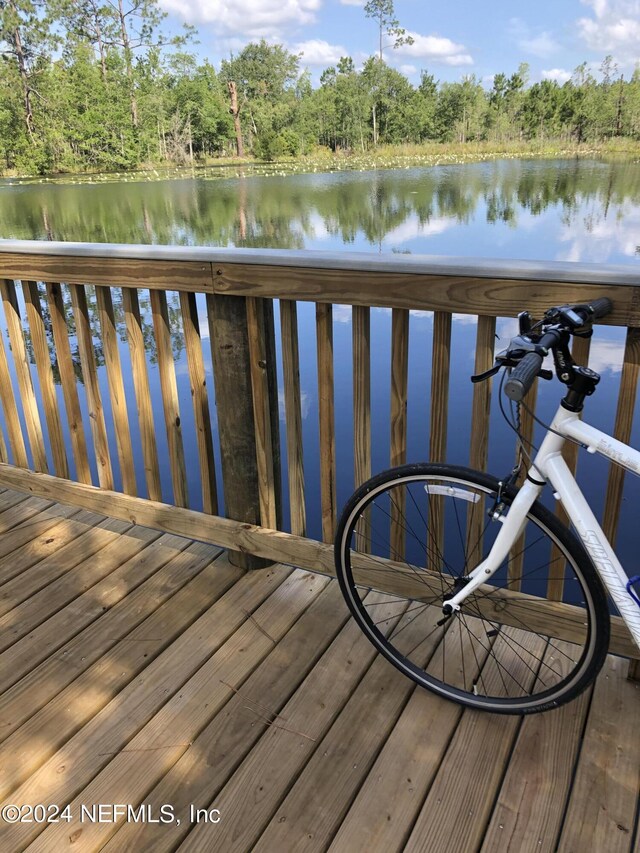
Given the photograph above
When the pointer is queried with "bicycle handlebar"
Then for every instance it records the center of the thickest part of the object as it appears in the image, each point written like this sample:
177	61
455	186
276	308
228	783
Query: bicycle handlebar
521	378
601	307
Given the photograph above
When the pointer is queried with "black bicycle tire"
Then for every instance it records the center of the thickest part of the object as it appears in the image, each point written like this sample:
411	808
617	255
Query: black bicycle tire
597	643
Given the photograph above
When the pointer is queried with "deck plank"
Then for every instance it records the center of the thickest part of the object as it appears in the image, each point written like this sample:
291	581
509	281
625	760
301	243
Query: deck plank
37	538
165	738
604	797
256	791
530	807
29	599
458	806
211	759
147	669
389	800
93	681
70	769
96	603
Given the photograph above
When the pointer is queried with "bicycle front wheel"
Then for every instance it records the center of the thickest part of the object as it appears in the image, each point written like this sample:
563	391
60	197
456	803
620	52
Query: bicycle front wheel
531	638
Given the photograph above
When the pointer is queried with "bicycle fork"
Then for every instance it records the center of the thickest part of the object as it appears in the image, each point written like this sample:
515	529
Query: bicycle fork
512	526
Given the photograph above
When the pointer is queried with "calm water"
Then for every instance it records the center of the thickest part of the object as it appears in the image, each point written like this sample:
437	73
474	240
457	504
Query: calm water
565	210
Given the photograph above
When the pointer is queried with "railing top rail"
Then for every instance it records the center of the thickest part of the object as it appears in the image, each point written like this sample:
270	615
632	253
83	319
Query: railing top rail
433	265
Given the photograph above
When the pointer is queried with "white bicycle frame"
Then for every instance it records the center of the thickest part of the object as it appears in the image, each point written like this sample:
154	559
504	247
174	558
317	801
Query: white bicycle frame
549	465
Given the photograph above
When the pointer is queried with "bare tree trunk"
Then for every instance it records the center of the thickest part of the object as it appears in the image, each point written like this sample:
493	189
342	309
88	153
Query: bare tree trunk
126	44
235	112
375	127
619	108
24	77
100	43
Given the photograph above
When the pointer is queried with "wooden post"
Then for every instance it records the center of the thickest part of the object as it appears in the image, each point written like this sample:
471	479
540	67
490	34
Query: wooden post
234	402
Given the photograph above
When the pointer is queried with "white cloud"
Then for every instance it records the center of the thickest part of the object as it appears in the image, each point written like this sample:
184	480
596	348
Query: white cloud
542	45
558	74
250	18
342	314
537	43
606	355
597	238
408	70
436	49
305	405
319	52
614	28
412	228
353	2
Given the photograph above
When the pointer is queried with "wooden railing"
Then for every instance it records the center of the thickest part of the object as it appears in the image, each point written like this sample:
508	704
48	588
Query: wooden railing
90	294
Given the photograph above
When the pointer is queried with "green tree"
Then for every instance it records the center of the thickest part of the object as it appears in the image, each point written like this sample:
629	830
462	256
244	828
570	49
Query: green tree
264	77
383	13
26	39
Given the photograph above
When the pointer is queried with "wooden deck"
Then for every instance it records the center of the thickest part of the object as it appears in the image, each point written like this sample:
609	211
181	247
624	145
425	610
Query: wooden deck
140	668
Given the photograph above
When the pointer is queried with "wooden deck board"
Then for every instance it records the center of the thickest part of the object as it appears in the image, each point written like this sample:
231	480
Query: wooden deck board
147	669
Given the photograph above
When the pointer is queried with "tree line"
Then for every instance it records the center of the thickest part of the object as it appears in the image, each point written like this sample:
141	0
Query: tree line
98	84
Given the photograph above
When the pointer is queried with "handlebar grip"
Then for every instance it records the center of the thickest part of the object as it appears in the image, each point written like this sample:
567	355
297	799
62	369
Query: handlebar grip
521	379
601	307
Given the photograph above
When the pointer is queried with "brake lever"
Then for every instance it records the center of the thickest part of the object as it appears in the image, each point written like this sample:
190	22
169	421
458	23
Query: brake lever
480	377
543	373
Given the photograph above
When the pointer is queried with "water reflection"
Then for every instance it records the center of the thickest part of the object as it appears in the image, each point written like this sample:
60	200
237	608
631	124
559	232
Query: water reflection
553	209
568	210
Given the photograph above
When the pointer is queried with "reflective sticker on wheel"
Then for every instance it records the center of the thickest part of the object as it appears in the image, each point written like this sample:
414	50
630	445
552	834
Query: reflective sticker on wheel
451	492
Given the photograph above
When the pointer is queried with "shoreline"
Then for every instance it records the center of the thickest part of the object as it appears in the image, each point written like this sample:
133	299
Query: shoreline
386	157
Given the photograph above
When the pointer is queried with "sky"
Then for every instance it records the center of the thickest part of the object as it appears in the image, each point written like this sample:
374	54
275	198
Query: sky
451	39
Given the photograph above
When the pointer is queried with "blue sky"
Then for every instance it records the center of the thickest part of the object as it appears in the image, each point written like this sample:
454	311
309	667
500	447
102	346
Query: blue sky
450	38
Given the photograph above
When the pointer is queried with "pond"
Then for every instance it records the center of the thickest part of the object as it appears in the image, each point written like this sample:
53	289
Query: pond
568	210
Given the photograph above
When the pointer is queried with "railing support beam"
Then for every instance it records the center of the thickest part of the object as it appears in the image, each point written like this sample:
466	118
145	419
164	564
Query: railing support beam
234	401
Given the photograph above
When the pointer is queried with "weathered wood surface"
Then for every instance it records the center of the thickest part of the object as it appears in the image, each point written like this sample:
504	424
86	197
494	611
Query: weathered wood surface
109	271
262	412
200	398
464	294
169	388
140	377
68	381
171	677
229	339
622	430
90	379
324	334
293	415
45	375
23	375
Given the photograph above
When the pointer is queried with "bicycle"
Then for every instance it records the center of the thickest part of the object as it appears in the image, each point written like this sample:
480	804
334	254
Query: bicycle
471	586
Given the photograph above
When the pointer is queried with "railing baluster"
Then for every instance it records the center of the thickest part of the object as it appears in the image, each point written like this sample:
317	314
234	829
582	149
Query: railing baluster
622	430
398	452
14	430
140	376
23	374
293	415
481	406
116	388
45	375
438	421
90	375
361	337
324	337
200	398
516	560
160	313
68	381
261	411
